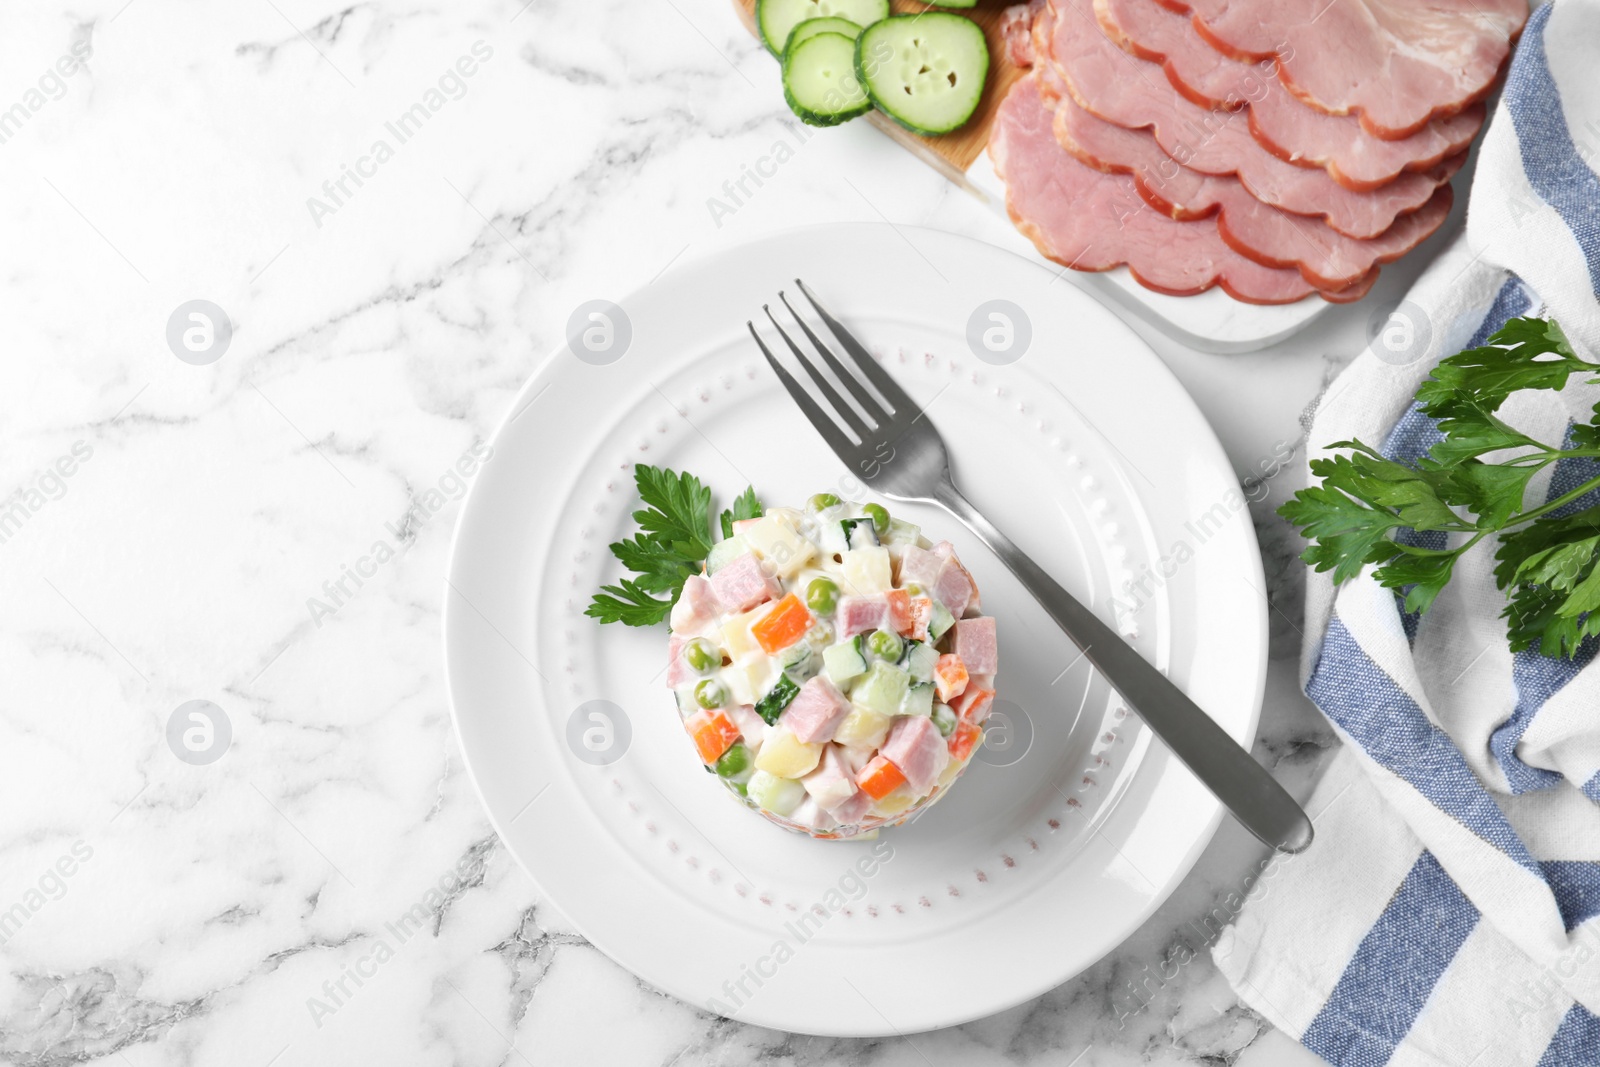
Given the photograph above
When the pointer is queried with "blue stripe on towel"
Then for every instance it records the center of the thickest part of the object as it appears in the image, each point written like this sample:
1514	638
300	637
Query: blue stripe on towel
1389	726
1591	788
1393	972
1576	884
1551	162
1576	1041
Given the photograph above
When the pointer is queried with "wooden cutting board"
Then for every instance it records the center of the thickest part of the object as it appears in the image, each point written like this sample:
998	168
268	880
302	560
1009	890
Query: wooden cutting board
954	152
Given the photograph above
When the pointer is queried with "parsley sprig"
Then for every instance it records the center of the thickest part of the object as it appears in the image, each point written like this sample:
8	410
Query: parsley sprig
1548	561
673	541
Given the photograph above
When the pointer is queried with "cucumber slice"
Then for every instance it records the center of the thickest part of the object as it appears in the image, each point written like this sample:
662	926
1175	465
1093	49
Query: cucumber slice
829	24
845	662
924	71
819	81
778	18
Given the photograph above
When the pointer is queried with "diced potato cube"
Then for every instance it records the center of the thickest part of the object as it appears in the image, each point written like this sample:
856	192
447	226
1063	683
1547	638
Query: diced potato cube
736	635
777	795
785	755
748	679
862	728
777	543
867	571
895	803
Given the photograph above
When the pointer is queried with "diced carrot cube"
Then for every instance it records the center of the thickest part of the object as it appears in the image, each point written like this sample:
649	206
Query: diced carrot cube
880	778
949	677
899	610
973	703
785	624
713	732
921	615
964	739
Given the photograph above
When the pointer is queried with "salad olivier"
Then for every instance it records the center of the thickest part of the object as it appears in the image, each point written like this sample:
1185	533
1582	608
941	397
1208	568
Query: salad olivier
832	665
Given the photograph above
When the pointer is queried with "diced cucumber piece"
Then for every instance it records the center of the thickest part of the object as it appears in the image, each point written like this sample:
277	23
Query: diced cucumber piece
778	18
845	662
944	717
804	32
918	700
725	551
819	80
920	659
798	661
926	71
902	532
777	795
859	533
778	697
882	689
940	621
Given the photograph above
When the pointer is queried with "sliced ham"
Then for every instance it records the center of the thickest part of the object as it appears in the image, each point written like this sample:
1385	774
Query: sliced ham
941	574
855	809
1325	257
1133	92
974	601
1397	64
976	645
742	583
1016	31
1352	156
1089	220
816	711
918	749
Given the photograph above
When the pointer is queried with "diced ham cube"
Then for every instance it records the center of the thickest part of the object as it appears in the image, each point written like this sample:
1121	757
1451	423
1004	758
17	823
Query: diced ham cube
973	602
810	815
742	583
751	726
920	566
918	749
697	607
861	614
975	644
833	782
954	589
816	711
679	673
853	810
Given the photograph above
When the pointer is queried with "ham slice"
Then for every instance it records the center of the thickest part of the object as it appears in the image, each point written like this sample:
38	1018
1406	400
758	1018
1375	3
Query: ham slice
742	583
1133	92
1089	220
976	645
816	711
1284	126
1397	64
1325	257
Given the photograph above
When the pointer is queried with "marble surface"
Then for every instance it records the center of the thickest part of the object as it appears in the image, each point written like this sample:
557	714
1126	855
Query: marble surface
177	520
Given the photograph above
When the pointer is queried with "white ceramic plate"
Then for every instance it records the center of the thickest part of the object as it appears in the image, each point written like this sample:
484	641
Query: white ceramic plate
1074	827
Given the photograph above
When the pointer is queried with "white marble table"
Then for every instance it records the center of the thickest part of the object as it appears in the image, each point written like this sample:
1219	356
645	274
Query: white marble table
228	912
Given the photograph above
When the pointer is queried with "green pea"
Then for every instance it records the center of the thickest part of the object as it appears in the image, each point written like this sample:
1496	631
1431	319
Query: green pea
822	500
735	761
822	596
879	516
710	694
702	655
884	644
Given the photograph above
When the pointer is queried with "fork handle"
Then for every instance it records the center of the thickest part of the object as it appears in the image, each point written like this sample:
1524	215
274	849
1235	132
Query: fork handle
1221	764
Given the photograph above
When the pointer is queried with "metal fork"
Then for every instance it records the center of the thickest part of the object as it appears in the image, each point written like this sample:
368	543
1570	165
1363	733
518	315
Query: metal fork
895	449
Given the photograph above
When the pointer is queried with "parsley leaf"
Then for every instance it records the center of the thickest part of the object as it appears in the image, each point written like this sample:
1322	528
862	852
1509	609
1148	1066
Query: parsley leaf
673	541
745	506
1547	563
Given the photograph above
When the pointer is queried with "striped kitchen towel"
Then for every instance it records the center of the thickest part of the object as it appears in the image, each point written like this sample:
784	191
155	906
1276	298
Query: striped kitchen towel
1448	913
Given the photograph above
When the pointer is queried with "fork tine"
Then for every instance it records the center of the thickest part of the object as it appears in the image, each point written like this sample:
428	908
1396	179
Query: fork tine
842	446
897	397
869	403
840	404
